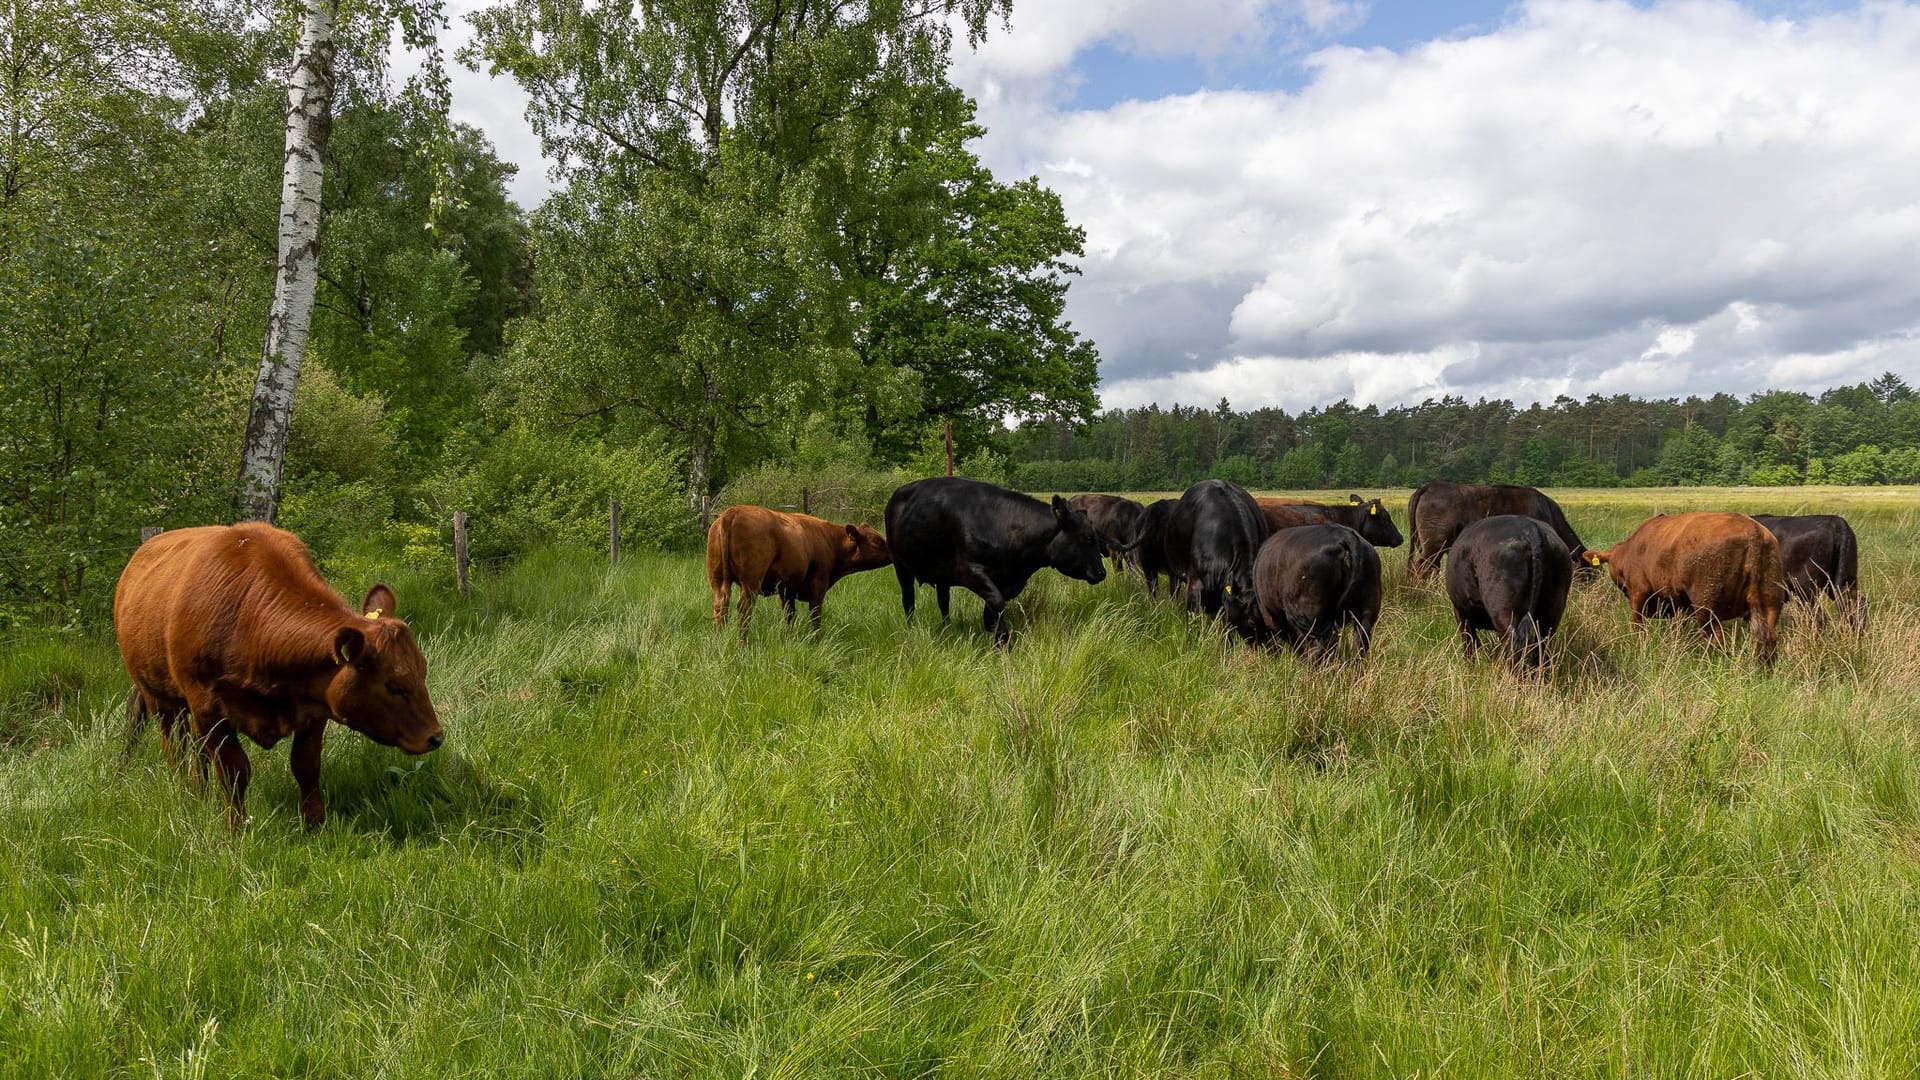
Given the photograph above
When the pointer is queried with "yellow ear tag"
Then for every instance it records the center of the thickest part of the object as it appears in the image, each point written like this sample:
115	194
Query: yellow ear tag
1372	510
1229	590
374	614
1594	559
340	653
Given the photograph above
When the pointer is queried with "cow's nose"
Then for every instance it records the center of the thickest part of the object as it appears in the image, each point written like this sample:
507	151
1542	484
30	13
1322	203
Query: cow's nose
434	741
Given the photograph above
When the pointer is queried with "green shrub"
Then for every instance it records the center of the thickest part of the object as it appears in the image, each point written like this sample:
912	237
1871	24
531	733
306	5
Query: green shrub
1774	476
529	489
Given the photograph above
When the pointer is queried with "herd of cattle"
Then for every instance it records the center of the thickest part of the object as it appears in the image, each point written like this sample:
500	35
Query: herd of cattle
232	630
1299	573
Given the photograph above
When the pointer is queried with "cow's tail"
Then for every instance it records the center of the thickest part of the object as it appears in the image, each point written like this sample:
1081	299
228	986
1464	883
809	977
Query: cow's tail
1847	582
137	716
1413	530
720	568
1526	641
1766	594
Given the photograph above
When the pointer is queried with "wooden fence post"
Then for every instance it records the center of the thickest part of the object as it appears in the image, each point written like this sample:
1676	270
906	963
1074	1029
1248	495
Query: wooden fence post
148	532
949	448
460	551
806	501
706	515
613	528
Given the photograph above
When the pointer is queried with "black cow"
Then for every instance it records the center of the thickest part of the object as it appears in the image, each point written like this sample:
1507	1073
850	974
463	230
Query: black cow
1148	546
1114	519
1821	557
1368	517
1212	536
948	530
1310	582
1437	511
1509	574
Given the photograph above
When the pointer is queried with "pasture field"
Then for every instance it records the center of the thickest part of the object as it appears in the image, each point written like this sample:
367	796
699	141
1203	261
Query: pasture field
1128	847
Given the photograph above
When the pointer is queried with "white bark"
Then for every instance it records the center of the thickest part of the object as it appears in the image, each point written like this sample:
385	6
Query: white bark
309	119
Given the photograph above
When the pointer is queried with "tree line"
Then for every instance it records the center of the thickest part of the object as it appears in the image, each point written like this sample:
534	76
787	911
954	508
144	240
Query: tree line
1863	434
771	264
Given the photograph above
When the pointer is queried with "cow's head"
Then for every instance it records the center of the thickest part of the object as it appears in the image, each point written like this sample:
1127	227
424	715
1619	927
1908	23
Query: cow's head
1603	561
380	685
1075	547
1240	605
864	549
1376	525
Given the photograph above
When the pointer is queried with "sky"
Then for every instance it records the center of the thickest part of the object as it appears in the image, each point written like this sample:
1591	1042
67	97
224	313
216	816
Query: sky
1288	202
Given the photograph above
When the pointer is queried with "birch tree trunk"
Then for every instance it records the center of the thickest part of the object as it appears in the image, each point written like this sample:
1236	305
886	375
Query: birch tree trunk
309	118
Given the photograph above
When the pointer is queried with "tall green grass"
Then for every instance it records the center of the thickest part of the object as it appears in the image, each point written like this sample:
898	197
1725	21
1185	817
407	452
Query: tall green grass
1128	846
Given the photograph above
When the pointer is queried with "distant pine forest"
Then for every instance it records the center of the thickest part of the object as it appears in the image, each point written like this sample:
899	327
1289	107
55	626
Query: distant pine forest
1863	434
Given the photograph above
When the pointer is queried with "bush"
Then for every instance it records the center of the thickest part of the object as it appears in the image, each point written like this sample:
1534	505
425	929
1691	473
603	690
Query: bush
528	489
1775	476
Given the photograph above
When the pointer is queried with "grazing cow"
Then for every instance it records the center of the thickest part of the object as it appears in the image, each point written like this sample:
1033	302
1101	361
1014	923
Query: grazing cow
1509	574
1368	517
799	556
1114	519
948	530
1312	580
1148	546
1212	536
1820	556
1715	566
233	627
1437	511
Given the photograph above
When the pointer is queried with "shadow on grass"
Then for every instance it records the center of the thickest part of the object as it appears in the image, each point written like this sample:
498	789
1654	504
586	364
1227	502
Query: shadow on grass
407	800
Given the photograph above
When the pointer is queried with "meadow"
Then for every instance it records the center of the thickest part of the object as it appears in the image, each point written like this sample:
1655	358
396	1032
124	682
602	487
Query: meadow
1128	846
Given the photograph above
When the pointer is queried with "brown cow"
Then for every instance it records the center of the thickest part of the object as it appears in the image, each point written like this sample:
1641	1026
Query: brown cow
798	556
1115	518
232	627
1282	514
1715	565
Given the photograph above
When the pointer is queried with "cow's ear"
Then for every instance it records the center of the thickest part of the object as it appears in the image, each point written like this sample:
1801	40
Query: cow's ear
853	532
1596	558
1060	508
348	644
1356	500
379	602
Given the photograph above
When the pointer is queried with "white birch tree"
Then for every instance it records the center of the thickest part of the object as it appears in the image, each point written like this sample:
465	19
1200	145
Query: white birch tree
309	118
312	81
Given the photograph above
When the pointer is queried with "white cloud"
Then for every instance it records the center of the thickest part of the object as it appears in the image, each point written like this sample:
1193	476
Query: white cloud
1593	197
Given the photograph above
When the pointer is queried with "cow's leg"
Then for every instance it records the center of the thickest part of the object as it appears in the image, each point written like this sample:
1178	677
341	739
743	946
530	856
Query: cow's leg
722	592
1363	632
306	772
747	597
816	596
944	594
229	758
1469	637
1708	622
1765	622
789	602
905	577
975	577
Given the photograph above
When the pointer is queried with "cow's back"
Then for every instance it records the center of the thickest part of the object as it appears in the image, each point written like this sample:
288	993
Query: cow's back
192	602
1729	557
933	524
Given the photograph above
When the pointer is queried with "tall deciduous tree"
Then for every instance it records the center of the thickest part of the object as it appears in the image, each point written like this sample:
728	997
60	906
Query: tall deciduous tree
762	197
311	85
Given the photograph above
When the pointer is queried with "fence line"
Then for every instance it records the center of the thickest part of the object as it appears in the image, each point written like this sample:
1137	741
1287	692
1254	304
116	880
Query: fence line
63	554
